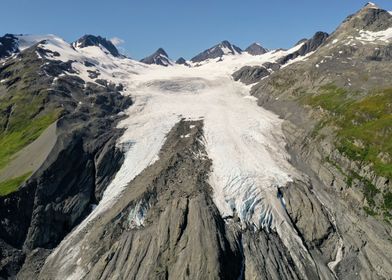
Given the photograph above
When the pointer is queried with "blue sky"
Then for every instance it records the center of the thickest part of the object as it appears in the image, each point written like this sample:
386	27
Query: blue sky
181	27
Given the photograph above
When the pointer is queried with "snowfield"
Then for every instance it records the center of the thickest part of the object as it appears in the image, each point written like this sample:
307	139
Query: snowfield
244	141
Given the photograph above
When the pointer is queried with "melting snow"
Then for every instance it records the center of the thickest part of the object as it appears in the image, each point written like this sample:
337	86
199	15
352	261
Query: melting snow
368	36
137	214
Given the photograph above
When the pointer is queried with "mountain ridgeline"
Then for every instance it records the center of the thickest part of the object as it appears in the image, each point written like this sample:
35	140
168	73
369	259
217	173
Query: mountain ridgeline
235	164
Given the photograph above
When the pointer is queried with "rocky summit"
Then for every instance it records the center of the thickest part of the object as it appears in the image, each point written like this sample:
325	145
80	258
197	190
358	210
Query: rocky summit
254	164
91	40
256	49
160	57
217	51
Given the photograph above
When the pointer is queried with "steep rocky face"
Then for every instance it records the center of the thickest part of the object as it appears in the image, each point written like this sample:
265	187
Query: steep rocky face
160	57
98	41
182	61
250	74
8	45
61	192
223	48
255	49
307	46
370	18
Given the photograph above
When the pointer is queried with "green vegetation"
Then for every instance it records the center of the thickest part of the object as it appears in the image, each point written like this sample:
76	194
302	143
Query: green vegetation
365	124
369	211
25	110
22	120
364	134
13	141
12	185
388	200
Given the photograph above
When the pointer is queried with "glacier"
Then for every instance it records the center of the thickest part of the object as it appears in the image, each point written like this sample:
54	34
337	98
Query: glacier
244	141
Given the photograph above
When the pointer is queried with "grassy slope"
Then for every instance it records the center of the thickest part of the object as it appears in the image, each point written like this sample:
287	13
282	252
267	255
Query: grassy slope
12	185
24	115
364	132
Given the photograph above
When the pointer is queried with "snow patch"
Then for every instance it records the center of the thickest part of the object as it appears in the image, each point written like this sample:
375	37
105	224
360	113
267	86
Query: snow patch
369	36
138	214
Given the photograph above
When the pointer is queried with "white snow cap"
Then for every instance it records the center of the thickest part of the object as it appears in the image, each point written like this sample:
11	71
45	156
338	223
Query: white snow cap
371	5
117	41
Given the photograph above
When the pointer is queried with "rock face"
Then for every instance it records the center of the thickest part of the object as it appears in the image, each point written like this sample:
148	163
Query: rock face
307	46
250	74
223	48
182	61
255	49
91	40
160	57
8	45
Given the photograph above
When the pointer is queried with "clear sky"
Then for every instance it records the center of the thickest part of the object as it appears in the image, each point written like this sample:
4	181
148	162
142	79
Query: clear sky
181	27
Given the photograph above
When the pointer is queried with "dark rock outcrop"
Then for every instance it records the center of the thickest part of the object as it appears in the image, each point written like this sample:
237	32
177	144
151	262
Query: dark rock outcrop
255	49
91	40
307	46
370	18
160	57
250	74
8	45
182	61
223	48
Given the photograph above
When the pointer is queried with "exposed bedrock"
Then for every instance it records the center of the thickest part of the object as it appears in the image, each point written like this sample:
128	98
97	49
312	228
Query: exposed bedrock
165	225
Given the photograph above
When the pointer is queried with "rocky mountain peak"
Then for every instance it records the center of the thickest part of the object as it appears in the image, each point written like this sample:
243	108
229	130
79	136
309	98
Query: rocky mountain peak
307	46
371	5
159	57
255	49
182	61
219	50
8	45
92	40
369	18
161	51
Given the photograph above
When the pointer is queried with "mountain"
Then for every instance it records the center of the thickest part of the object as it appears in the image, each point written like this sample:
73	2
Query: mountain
281	58
306	46
182	61
217	51
255	49
160	57
97	41
336	104
8	45
114	168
